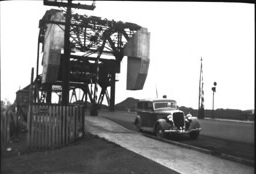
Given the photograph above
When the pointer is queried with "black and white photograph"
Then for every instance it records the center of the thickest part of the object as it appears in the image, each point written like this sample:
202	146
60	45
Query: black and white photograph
127	87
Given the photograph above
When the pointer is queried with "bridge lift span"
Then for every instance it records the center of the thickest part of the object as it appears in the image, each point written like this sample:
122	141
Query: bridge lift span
84	52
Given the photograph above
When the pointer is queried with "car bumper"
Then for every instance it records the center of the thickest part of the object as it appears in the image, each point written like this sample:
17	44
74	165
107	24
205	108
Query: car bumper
182	131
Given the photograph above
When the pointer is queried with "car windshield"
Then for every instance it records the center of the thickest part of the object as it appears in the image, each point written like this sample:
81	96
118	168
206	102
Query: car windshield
165	105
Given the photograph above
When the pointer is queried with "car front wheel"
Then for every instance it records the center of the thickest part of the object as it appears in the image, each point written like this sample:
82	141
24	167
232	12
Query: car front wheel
159	131
138	125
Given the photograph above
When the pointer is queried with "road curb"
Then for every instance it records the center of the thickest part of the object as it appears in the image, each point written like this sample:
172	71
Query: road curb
221	155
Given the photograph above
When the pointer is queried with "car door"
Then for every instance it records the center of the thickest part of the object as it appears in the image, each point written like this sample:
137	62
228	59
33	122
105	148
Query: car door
149	116
142	113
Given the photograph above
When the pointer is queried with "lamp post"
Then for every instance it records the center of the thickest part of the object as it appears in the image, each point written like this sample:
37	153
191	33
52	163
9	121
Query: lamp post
213	91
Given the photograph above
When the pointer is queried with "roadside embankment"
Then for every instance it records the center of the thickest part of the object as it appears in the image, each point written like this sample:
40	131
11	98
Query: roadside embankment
240	131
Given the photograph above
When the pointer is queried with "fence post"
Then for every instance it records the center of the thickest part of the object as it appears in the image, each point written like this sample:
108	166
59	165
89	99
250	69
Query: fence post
30	107
28	125
5	128
40	134
32	128
8	127
63	127
82	115
2	128
67	124
47	129
44	131
59	126
53	125
74	124
50	115
36	130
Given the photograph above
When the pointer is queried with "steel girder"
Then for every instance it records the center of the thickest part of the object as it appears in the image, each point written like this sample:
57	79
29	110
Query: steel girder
96	47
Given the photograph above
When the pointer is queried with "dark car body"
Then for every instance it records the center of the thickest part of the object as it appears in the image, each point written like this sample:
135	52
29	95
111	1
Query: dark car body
162	117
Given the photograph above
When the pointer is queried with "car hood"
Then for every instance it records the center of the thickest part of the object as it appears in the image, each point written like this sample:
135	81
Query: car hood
168	111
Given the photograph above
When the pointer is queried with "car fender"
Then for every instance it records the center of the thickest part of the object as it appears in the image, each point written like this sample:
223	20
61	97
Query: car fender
162	122
194	124
137	119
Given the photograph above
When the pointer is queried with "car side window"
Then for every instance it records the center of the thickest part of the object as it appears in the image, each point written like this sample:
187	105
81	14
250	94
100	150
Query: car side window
140	105
143	105
146	106
149	106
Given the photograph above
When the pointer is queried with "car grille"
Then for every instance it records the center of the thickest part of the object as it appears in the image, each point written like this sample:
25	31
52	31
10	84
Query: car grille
178	119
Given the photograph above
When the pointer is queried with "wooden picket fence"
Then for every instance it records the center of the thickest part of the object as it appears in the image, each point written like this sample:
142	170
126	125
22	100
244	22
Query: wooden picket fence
5	128
52	125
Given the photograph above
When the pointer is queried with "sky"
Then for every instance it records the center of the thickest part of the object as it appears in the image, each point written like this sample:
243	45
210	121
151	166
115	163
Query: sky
181	33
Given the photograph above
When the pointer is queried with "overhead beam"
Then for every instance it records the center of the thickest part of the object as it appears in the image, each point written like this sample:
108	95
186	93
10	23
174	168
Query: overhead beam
72	5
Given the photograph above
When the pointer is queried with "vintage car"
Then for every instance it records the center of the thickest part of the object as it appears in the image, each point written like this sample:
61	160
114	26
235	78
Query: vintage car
162	117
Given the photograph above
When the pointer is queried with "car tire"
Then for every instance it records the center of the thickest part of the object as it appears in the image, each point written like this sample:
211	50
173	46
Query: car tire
194	135
138	125
159	132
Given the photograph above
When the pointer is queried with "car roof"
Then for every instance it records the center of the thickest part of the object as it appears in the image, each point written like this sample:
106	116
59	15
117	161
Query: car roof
157	100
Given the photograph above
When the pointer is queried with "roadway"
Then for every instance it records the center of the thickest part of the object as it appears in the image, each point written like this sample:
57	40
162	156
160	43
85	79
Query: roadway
209	141
172	156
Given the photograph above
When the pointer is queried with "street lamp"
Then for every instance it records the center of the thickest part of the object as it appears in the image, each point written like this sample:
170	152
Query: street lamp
213	91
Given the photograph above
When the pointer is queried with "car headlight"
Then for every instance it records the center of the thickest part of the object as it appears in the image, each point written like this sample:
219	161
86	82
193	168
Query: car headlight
189	116
170	118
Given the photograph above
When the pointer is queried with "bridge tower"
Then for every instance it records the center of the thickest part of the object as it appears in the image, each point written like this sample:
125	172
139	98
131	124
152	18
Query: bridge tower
82	54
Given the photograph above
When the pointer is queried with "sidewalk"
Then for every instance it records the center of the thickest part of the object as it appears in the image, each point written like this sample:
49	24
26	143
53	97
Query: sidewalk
88	155
185	161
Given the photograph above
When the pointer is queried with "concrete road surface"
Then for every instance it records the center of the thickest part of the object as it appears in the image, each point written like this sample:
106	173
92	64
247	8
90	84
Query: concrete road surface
241	131
182	160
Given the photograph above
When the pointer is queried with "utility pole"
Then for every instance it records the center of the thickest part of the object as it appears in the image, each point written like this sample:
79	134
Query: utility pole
201	94
66	66
66	57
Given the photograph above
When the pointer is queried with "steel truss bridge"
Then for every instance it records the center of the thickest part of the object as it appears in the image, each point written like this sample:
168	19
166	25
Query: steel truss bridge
88	57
